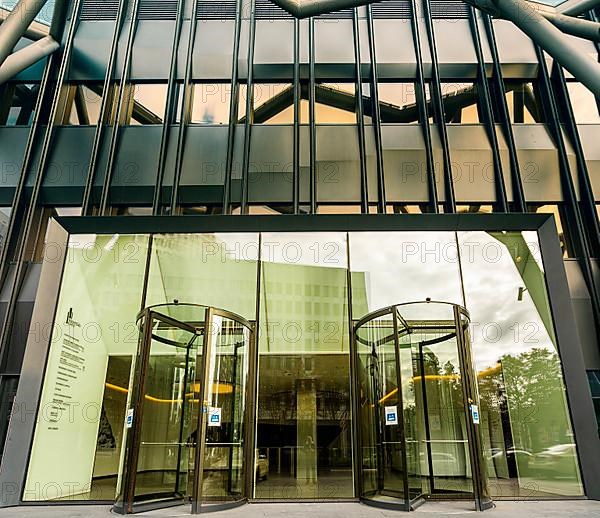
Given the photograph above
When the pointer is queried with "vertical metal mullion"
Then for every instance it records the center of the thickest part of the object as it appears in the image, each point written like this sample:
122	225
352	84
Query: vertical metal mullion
106	105
469	392
356	439
498	78
123	85
311	116
203	412
400	409
422	110
185	113
12	236
438	105
252	385
249	111
483	96
360	115
27	225
568	121
297	95
233	109
376	115
137	400
172	96
568	187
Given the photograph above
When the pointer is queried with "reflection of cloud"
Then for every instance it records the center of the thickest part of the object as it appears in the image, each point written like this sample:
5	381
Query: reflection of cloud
407	266
500	323
411	266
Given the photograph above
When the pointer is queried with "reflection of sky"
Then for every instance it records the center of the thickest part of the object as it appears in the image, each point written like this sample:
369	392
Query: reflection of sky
44	16
410	266
325	249
501	324
406	266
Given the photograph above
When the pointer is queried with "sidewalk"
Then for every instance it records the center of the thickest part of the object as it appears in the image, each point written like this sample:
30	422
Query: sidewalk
529	509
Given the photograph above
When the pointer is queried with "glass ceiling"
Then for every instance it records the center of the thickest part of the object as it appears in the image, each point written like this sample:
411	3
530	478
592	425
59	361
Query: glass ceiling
44	16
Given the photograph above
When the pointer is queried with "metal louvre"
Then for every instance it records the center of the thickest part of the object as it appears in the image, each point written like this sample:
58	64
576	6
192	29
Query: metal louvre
207	10
337	15
267	10
448	9
392	9
99	10
157	10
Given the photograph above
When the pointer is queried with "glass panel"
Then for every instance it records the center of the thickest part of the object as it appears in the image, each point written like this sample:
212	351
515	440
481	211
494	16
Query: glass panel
388	268
304	421
527	435
166	434
382	448
223	469
87	379
216	270
413	415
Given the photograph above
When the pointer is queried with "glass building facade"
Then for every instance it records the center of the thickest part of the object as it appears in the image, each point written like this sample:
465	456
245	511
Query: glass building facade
250	257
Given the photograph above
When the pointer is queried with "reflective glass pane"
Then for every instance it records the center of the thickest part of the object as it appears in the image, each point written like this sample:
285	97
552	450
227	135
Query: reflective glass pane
303	430
88	374
528	439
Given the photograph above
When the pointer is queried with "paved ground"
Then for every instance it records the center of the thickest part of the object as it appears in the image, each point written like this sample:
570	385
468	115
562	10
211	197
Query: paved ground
528	509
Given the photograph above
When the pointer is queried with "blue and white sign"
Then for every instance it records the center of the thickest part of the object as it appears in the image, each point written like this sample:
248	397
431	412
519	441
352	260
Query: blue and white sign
129	418
391	415
214	416
475	414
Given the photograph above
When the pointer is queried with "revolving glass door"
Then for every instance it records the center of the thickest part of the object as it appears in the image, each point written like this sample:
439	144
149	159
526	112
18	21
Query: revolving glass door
418	407
186	418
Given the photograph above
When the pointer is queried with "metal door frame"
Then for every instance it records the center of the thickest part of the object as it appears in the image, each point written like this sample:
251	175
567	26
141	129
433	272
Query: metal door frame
128	504
480	493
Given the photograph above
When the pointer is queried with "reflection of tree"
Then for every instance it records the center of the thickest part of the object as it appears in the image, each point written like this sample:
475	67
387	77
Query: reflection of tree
535	398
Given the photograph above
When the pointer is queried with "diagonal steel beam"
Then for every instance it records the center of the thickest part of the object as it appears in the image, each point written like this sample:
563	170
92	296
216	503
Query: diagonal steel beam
583	67
35	31
26	57
574	26
16	24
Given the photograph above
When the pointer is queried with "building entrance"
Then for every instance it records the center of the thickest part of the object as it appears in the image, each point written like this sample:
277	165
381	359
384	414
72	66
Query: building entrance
186	417
417	407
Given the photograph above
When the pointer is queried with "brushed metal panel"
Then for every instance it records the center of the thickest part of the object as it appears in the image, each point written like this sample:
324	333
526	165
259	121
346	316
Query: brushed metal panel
68	164
270	176
13	140
268	32
151	55
505	162
135	167
588	133
91	48
404	163
455	50
205	154
334	41
338	164
394	60
213	49
472	163
538	161
516	51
